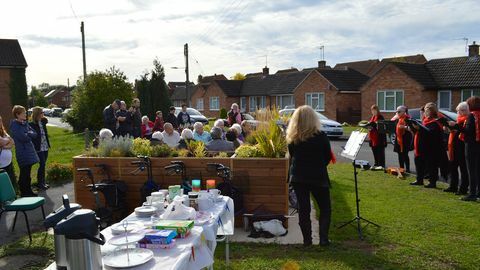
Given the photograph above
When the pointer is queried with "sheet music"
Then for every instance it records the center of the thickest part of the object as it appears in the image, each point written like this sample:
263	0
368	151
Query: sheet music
353	145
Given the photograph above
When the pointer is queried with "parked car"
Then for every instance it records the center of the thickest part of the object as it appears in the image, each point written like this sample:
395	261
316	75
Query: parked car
57	112
195	116
47	112
330	127
249	118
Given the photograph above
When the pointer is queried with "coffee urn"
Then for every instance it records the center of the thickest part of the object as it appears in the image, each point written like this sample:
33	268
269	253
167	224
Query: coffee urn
83	240
59	240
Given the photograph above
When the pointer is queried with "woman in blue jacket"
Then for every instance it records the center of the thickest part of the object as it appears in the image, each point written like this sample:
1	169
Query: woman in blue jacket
25	152
41	143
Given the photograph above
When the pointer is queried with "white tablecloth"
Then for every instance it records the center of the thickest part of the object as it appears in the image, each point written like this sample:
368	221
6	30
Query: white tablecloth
202	241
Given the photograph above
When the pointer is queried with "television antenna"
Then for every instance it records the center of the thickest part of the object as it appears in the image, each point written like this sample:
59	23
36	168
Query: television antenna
322	52
466	42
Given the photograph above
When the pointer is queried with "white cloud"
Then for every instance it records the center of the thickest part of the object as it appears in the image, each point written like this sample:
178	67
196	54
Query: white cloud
229	36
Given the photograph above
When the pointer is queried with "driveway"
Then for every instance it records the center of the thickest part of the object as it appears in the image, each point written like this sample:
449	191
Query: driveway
57	122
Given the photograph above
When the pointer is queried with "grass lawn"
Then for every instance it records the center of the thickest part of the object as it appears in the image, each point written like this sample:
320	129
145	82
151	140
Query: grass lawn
347	130
421	229
64	146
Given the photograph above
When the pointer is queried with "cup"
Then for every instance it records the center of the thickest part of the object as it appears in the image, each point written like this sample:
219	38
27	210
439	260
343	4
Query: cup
149	200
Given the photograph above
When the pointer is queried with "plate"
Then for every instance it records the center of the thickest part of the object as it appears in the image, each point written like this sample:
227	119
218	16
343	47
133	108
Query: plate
119	259
145	211
131	226
130	238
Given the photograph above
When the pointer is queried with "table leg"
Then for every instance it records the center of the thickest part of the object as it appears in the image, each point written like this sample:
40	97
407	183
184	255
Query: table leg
227	250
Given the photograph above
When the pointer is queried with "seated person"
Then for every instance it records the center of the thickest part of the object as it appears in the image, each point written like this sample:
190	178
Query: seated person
238	130
221	125
187	136
147	127
199	134
217	144
157	138
231	136
170	136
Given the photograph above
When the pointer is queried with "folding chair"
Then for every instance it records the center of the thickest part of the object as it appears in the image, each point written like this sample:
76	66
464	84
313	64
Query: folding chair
9	203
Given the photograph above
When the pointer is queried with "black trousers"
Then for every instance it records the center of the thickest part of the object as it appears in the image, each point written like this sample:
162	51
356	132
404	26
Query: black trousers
25	180
420	168
42	156
322	197
426	165
459	162
444	165
404	160
379	155
11	174
473	166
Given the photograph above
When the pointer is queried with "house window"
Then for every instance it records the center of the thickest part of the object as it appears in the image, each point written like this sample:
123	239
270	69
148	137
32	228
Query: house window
214	103
257	103
315	100
283	101
178	103
243	104
389	100
470	93
200	104
444	100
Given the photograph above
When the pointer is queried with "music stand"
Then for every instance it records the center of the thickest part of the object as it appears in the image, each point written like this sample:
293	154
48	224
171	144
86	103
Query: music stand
350	151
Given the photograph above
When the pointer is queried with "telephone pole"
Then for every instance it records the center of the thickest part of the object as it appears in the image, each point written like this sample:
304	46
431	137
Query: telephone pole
82	30
187	75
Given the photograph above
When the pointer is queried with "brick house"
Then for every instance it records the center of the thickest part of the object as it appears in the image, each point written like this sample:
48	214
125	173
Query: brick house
60	97
446	81
11	58
179	95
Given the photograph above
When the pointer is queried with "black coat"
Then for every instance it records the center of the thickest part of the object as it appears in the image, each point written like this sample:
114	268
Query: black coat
309	160
172	120
180	120
430	142
37	142
125	127
109	119
469	130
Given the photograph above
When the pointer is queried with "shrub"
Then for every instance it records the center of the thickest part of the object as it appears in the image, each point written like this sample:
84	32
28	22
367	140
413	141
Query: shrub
141	147
116	147
223	113
161	150
248	151
196	148
270	139
222	155
59	174
183	153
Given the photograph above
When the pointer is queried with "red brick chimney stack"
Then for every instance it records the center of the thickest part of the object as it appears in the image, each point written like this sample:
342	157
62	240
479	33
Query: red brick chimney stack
322	64
266	71
473	50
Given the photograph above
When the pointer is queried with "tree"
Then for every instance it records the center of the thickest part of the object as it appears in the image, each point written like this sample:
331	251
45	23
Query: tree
152	91
18	87
238	77
37	98
92	96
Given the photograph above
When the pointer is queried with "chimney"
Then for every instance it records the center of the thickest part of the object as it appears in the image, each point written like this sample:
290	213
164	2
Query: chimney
473	50
200	78
266	71
322	64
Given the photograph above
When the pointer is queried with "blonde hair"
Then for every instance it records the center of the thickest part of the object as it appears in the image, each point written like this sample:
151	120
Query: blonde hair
36	113
17	109
432	107
303	125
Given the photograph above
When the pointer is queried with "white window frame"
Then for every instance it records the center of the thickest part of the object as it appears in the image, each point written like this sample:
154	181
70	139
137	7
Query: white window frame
449	100
200	108
385	96
471	93
254	103
243	104
279	101
317	94
217	103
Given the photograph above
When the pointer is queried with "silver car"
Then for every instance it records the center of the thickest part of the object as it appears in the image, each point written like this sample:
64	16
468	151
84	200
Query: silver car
330	127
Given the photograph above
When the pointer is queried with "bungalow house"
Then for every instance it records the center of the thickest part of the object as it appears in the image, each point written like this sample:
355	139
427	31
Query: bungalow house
12	62
446	81
60	97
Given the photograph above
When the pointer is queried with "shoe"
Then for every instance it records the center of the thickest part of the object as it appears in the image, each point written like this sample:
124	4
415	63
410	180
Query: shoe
469	198
44	187
377	168
431	185
450	189
325	243
416	183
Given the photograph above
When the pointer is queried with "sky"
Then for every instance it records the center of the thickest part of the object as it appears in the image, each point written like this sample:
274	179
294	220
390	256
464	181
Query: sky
229	36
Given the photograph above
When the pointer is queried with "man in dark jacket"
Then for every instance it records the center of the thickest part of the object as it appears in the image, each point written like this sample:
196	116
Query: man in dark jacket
183	117
137	118
125	119
171	118
109	118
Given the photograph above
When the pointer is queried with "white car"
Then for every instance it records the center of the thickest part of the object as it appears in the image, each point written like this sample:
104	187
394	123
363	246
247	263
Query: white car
330	127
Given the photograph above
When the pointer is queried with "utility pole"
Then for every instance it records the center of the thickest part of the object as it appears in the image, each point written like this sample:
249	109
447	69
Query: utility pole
187	75
82	30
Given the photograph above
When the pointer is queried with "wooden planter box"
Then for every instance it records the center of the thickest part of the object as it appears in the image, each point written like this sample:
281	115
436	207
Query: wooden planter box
263	181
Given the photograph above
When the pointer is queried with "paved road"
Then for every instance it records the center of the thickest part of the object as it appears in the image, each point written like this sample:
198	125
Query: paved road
57	122
365	153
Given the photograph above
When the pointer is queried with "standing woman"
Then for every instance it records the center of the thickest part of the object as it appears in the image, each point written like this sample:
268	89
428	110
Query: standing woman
41	143
310	152
25	152
6	144
456	152
472	147
378	141
403	138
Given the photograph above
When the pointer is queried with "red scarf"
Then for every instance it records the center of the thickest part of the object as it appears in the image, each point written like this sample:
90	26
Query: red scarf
400	130
333	159
461	119
373	133
476	115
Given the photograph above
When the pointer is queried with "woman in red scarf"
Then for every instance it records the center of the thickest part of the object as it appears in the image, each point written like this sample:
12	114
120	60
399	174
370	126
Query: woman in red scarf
427	145
456	152
378	141
403	138
472	147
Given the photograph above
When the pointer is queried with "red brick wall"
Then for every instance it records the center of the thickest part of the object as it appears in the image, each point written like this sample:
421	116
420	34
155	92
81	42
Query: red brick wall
58	100
5	105
213	90
392	78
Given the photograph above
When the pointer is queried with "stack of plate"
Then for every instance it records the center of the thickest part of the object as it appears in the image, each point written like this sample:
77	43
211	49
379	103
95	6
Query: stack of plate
145	211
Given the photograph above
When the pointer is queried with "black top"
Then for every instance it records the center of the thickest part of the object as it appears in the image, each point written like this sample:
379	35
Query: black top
125	126
172	120
109	119
232	117
37	142
183	118
309	160
430	141
469	130
137	118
